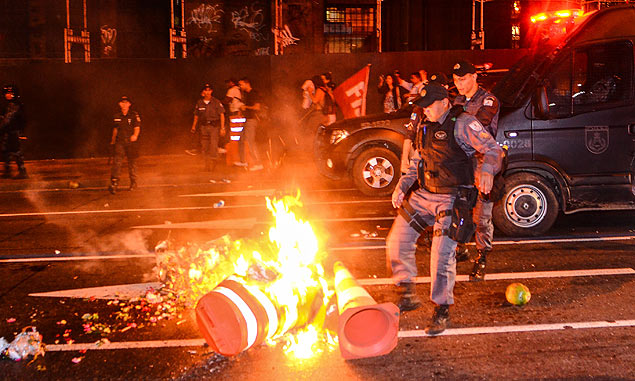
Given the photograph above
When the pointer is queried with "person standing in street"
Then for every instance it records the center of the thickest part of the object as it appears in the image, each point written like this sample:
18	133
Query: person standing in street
251	106
443	167
209	119
125	142
485	107
12	123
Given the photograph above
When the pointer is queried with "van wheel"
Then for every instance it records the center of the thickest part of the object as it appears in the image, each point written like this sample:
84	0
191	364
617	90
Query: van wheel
529	206
375	171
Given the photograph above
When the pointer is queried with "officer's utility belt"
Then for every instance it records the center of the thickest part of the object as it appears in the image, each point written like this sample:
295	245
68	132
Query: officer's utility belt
212	122
416	221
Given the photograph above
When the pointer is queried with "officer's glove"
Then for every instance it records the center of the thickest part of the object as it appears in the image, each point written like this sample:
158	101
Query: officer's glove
485	182
397	198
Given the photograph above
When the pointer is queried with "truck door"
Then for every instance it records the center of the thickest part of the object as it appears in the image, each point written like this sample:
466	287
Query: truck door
588	132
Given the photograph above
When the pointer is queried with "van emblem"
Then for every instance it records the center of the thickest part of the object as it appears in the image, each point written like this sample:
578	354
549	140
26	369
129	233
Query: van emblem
440	135
596	138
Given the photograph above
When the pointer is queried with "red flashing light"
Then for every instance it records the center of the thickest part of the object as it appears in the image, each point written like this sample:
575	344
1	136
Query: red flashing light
556	16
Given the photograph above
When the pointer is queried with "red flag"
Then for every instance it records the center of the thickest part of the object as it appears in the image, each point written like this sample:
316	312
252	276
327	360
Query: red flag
350	95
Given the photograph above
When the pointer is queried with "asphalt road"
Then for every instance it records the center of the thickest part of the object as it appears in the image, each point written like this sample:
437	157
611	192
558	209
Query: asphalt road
580	322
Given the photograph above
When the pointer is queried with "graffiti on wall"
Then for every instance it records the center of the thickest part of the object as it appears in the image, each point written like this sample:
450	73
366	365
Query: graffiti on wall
206	17
284	36
222	27
108	39
249	20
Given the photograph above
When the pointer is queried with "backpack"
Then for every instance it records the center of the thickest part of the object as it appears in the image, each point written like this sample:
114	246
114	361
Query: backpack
329	105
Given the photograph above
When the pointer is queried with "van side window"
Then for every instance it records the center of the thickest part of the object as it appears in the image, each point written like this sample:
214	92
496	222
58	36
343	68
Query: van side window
592	78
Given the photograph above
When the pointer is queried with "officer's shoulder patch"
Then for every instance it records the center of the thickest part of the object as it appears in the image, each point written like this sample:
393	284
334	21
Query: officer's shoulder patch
441	135
476	126
488	101
413	116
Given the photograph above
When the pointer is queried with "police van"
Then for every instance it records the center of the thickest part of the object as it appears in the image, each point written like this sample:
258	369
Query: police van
567	118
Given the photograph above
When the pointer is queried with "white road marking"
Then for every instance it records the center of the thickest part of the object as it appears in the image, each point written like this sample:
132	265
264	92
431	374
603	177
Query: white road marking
254	192
522	328
125	345
141	210
129	291
510	242
120	291
245	223
402	334
76	258
517	275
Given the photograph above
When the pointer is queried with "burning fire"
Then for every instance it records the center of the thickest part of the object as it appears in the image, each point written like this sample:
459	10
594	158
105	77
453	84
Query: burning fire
287	270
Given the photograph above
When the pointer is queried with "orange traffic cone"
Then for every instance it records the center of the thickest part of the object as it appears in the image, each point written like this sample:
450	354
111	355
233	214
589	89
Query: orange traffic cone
234	317
365	328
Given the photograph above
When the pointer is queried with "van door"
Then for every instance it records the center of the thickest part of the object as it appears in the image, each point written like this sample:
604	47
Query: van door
587	136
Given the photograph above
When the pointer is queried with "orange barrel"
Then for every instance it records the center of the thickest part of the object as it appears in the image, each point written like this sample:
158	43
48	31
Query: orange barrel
232	318
365	328
236	126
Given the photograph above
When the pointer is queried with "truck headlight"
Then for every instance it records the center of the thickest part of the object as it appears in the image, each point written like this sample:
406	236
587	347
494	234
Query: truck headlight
338	135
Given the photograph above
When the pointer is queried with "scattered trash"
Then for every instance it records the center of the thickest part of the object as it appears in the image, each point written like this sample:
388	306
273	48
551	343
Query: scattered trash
366	234
355	235
226	181
26	343
11	320
161	247
57	251
73	184
61	322
213	181
106	205
77	360
219	204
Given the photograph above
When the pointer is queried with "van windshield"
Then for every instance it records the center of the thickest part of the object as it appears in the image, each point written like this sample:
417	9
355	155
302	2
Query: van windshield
513	88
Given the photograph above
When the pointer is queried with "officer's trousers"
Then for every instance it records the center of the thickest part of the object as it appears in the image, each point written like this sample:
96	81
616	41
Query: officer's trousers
249	136
401	246
130	151
11	151
209	141
482	217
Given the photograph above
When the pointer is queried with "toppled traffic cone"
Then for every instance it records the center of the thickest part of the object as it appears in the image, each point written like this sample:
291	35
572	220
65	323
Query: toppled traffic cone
365	328
234	317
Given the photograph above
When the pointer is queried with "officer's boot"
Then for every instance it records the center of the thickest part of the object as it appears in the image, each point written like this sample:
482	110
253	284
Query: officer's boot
133	185
440	320
409	300
22	173
112	188
462	253
478	272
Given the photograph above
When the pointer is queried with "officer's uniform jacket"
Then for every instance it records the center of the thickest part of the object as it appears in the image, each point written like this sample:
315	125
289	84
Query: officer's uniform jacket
472	138
12	117
125	125
484	106
209	113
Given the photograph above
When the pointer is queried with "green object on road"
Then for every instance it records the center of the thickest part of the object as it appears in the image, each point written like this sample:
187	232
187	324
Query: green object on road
517	294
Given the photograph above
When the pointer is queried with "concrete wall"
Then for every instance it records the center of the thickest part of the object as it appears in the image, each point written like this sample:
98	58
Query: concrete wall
69	106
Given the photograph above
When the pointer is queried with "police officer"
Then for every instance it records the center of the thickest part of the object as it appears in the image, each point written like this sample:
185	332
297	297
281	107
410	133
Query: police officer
209	118
485	107
125	135
12	123
442	164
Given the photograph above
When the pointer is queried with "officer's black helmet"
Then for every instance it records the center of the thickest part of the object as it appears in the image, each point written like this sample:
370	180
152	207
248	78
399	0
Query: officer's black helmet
10	89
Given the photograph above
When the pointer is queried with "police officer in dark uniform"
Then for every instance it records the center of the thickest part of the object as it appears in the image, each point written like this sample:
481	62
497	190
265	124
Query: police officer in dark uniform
443	166
209	118
12	123
125	135
485	107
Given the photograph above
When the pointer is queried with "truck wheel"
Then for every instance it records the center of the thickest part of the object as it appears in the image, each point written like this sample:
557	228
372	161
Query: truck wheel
375	171
529	206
